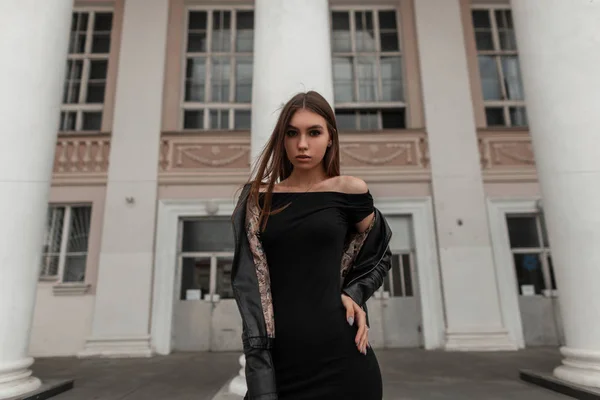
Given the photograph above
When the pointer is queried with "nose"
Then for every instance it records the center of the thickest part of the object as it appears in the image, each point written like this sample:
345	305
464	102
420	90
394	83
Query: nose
302	142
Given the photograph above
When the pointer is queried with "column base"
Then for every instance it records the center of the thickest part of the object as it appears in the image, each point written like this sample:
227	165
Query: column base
16	379
581	367
117	347
480	341
237	385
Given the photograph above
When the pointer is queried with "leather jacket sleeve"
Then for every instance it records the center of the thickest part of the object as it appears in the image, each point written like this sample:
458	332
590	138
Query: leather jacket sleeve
260	377
362	288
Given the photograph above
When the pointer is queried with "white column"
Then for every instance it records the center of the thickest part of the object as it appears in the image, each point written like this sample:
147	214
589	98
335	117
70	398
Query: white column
559	53
292	54
34	37
472	305
123	297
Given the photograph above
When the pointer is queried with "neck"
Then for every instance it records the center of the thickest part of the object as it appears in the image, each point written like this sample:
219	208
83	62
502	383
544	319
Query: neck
306	179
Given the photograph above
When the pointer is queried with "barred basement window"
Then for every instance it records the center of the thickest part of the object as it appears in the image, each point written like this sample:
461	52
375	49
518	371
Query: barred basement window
87	67
64	254
218	74
367	69
499	67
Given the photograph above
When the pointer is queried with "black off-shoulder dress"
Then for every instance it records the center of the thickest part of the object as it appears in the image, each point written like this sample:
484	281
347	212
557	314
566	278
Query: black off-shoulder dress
314	355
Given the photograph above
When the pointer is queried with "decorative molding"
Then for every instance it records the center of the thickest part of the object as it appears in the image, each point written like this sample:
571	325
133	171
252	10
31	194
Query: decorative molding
190	158
70	289
505	272
428	275
506	156
81	159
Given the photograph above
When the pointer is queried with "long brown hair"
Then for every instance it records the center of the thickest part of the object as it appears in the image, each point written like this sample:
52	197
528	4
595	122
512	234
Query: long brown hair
273	164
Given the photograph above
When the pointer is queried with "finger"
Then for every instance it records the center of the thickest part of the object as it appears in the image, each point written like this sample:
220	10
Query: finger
350	315
362	325
365	341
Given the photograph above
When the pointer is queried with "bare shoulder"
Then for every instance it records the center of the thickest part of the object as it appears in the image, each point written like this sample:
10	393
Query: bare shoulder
349	184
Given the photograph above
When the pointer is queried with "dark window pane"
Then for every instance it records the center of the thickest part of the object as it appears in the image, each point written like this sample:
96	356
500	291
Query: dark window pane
101	43
92	121
103	22
207	234
245	31
341	31
98	69
389	41
522	232
343	79
340	21
242	119
221	32
67	121
77	43
518	116
481	19
74	69
243	80
195	79
220	79
387	20
197	20
95	92
193	119
197	42
71	93
529	272
490	78
512	77
407	275
508	41
391	79
345	119
396	272
368	120
494	116
75	268
224	268
79	22
552	278
501	18
195	275
79	230
393	119
484	40
219	119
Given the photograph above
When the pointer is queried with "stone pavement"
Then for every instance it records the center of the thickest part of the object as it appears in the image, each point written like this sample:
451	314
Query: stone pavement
407	374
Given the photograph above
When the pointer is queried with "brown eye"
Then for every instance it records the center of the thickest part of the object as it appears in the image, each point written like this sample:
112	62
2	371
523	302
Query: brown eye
291	133
315	132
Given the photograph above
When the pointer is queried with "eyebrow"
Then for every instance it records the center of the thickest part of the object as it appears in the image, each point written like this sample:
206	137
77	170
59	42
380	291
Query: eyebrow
310	127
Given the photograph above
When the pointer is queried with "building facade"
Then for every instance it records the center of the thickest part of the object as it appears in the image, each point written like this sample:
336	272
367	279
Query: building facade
162	105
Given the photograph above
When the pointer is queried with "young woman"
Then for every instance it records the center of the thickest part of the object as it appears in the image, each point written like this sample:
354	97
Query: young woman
310	251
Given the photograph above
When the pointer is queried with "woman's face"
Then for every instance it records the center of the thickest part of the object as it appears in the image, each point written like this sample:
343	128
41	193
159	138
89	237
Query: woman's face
306	139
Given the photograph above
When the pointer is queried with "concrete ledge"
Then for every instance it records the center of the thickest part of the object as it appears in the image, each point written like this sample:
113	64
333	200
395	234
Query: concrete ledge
49	388
549	381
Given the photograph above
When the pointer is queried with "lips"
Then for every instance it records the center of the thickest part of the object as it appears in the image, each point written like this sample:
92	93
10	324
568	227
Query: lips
303	158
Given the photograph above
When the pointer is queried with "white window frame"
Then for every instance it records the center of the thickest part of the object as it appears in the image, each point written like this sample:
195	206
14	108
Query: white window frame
497	53
498	209
86	57
377	106
208	106
65	236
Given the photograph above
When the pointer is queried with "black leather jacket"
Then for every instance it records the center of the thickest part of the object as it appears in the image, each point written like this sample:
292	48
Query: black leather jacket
368	261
